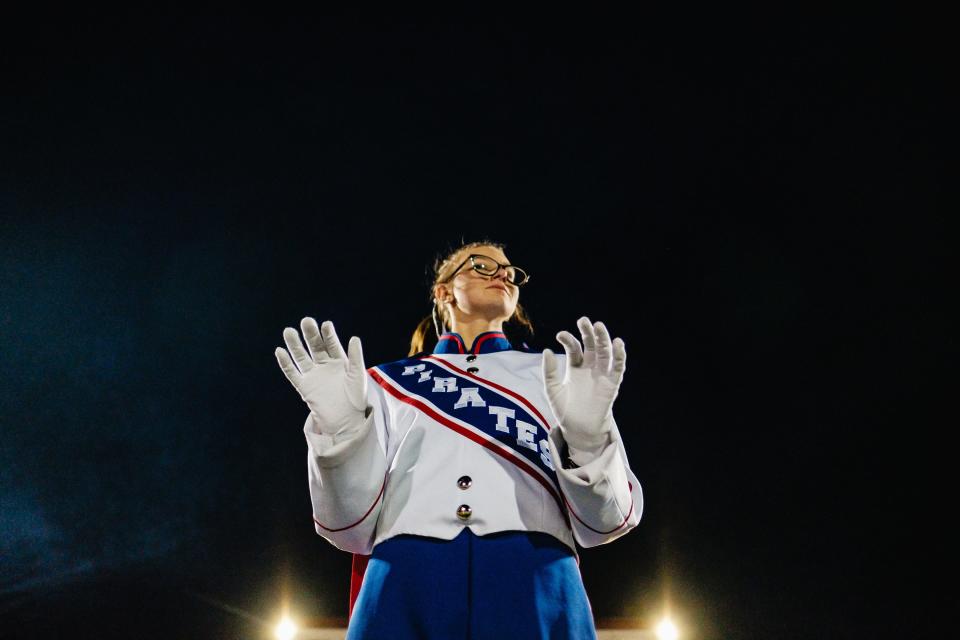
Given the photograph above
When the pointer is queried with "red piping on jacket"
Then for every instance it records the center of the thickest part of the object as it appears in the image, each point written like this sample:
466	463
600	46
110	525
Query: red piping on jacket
476	346
513	394
453	426
457	340
364	515
603	533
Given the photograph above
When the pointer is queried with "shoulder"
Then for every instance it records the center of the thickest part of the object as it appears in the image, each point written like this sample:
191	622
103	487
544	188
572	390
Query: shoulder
403	362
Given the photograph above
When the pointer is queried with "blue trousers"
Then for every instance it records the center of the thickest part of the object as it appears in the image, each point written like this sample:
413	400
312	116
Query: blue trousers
514	584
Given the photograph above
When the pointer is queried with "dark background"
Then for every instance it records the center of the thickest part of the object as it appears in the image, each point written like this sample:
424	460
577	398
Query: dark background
755	211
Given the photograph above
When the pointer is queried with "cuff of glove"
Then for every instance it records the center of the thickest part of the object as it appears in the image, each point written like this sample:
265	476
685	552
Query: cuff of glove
587	442
588	473
332	448
351	425
581	457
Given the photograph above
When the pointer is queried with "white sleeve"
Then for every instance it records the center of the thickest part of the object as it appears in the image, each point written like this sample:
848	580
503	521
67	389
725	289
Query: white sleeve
347	473
603	496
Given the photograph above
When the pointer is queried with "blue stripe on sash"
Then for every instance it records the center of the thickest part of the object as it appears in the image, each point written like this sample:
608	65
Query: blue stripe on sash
489	411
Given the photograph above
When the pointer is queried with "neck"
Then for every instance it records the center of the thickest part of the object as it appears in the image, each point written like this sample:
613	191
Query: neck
470	329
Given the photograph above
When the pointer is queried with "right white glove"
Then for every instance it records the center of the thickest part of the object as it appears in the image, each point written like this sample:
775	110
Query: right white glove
582	395
333	384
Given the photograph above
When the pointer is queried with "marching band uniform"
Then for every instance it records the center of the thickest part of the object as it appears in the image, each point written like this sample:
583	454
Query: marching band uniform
459	483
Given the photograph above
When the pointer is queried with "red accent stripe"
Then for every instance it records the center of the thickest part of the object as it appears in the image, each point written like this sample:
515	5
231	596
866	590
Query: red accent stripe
476	345
364	515
513	394
442	419
574	513
457	340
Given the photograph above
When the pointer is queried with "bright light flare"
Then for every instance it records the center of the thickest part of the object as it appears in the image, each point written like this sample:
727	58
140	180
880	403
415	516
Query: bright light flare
666	630
286	629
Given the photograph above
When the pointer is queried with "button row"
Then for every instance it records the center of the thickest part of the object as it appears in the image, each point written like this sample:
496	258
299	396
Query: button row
464	511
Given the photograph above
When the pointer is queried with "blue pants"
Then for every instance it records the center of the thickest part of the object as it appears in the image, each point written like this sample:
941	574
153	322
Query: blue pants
514	584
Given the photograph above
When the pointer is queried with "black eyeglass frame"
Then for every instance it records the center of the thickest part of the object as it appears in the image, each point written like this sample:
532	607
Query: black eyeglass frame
473	265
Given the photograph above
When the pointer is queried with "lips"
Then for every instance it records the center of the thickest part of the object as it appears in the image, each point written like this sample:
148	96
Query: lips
496	286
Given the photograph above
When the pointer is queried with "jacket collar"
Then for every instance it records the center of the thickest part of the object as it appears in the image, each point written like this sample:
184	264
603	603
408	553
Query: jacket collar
486	342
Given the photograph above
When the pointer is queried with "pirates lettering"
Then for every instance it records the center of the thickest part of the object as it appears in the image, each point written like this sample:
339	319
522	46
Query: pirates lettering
470	396
525	434
516	426
545	456
444	385
502	414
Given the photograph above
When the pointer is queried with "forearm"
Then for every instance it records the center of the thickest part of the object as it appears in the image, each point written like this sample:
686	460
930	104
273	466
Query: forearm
602	494
346	478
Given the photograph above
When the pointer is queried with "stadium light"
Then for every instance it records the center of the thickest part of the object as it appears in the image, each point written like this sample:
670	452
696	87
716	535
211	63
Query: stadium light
286	629
666	630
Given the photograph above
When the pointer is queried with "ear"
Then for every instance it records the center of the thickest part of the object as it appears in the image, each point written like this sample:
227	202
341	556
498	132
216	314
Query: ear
439	292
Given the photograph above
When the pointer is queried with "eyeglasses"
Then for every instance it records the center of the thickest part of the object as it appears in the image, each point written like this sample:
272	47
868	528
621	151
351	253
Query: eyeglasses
489	267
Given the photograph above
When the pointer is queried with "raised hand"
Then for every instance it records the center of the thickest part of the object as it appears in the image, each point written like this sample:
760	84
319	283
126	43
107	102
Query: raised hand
582	395
331	382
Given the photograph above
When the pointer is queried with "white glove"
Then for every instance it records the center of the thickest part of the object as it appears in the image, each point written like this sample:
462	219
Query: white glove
583	399
333	384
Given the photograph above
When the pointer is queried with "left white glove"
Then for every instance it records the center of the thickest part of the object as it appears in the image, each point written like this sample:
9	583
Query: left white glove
582	396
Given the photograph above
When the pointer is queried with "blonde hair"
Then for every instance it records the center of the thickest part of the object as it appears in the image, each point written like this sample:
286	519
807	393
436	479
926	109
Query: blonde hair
443	268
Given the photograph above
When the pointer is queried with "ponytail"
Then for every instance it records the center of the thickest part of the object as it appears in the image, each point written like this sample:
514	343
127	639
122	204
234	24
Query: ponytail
420	334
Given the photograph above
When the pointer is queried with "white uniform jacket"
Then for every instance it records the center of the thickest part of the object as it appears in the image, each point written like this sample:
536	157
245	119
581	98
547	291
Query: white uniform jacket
464	438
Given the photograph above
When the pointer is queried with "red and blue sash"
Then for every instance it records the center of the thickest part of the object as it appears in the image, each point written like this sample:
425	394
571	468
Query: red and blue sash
496	418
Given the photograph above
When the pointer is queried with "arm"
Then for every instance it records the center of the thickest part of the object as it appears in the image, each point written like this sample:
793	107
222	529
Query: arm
346	433
346	473
602	494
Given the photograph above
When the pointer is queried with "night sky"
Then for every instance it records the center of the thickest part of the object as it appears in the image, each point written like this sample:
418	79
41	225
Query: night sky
758	213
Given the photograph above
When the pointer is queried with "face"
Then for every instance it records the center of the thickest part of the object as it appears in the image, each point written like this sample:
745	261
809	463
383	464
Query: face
489	297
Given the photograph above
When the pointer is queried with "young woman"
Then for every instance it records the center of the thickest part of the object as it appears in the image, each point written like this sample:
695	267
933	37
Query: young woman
467	472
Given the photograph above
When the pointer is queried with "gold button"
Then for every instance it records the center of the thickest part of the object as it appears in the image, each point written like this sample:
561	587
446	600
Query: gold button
471	358
464	482
464	512
472	370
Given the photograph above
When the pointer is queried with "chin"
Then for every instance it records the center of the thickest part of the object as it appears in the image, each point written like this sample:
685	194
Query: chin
495	310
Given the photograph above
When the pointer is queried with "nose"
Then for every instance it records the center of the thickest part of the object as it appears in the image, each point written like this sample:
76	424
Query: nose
501	275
